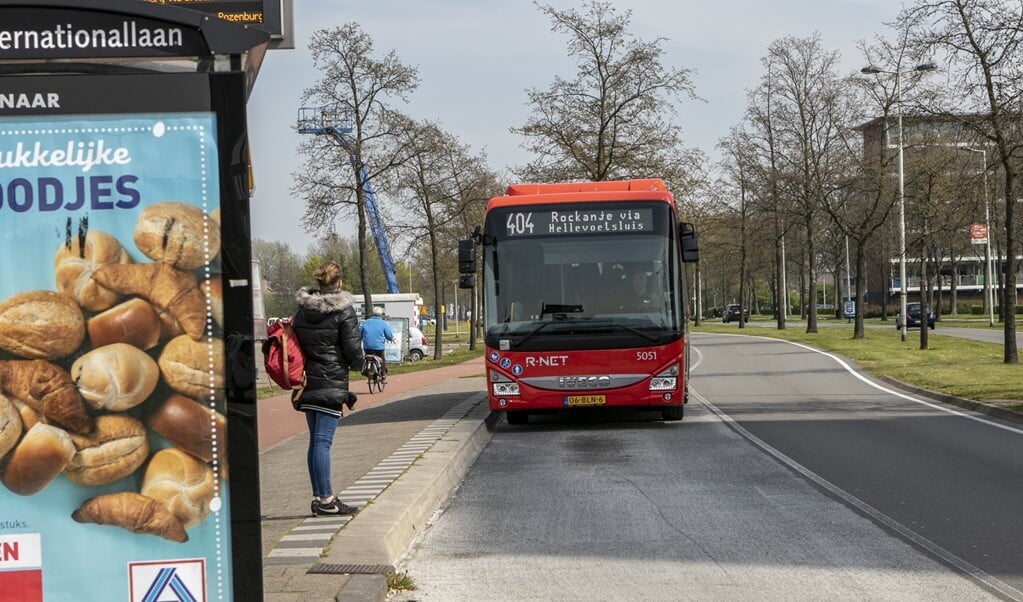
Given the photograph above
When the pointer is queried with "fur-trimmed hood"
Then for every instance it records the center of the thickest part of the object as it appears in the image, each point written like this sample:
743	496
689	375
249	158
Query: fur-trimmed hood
321	302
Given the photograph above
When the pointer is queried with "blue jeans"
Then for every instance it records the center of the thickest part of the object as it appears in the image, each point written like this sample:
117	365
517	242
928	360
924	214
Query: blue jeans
321	436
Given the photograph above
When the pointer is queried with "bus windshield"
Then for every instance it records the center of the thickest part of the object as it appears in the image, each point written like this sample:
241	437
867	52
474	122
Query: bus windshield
552	276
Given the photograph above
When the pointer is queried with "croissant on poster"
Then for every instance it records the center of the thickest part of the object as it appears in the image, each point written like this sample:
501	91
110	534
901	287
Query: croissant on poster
134	512
48	389
165	287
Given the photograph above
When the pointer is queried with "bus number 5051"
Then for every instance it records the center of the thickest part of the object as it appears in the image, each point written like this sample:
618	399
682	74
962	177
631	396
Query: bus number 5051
520	224
646	356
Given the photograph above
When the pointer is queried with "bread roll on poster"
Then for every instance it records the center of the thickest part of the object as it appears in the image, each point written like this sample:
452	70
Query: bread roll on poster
115	377
191	427
74	265
41	455
182	483
134	322
29	416
194	368
116	448
213	289
180	235
41	325
10	425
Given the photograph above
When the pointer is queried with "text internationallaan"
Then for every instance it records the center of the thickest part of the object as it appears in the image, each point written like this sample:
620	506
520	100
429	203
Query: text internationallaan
130	35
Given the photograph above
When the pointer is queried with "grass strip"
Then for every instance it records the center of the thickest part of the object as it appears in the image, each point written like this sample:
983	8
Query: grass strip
950	365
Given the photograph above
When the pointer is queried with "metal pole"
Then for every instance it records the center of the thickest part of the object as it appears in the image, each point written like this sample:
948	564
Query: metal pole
902	221
989	295
455	315
784	293
848	276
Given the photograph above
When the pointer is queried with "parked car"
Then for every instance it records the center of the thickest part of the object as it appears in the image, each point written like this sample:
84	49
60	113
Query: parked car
732	313
417	348
913	309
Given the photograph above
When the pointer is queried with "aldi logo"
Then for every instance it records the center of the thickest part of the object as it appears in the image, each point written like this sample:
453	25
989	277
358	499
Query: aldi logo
21	567
168	581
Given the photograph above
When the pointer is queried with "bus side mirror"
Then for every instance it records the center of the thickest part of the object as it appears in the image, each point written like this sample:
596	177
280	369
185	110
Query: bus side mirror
466	258
690	246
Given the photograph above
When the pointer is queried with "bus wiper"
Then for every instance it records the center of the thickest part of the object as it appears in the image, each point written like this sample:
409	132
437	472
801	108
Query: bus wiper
530	334
645	335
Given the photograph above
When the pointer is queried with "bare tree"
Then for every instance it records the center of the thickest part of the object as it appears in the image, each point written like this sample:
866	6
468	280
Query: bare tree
810	117
439	185
613	120
981	45
764	126
354	92
737	168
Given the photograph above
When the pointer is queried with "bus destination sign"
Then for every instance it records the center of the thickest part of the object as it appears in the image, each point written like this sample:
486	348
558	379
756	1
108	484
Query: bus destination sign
579	221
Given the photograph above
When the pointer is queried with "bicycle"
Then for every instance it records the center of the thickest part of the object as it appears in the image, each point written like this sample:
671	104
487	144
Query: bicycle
374	373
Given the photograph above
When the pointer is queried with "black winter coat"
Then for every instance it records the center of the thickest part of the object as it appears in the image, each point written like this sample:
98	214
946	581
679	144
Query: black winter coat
328	331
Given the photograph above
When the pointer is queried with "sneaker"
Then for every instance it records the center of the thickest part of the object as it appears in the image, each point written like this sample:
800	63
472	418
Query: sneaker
334	507
345	509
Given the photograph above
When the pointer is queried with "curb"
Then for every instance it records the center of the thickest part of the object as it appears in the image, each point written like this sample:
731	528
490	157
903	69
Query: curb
968	404
387	527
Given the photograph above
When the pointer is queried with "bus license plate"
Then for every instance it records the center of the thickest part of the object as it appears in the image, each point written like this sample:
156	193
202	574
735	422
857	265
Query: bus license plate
584	400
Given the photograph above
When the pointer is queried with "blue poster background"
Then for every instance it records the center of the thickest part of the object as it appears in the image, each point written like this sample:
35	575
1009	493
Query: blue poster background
148	158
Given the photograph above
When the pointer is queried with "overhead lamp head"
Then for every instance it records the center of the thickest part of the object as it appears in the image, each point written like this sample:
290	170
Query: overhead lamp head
870	70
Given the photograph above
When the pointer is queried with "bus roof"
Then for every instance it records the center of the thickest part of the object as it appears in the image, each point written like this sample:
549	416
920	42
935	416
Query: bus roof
561	192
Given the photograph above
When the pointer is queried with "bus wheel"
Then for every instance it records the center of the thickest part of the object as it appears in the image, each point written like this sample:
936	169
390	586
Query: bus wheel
517	417
671	413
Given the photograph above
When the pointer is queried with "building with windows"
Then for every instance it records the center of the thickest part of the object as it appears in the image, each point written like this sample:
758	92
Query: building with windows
954	209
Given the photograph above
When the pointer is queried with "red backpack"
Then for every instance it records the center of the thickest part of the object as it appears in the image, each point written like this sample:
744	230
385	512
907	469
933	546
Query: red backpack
282	355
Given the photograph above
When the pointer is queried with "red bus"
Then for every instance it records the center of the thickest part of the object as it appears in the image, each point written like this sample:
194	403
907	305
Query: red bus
584	297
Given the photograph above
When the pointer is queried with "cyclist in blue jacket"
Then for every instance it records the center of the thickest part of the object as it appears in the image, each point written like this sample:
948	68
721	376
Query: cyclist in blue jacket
375	332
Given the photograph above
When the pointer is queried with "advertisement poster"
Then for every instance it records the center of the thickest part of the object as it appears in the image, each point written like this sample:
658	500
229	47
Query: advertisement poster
113	480
393	349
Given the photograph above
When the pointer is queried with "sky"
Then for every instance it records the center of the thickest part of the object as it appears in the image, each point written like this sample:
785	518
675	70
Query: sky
477	58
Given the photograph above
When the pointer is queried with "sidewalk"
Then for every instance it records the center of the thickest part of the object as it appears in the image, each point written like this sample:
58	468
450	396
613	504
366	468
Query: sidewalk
398	456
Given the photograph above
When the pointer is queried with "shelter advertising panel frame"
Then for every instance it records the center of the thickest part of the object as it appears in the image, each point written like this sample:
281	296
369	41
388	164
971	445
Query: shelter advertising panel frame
83	154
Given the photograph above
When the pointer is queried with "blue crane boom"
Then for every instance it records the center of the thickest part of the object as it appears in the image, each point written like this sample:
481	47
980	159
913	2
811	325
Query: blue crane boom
320	121
376	226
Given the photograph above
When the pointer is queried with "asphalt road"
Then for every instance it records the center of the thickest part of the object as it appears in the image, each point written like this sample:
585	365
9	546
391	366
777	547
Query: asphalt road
789	479
981	332
947	479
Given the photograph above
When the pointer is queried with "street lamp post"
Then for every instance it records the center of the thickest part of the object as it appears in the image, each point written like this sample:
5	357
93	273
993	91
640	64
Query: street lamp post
872	70
989	297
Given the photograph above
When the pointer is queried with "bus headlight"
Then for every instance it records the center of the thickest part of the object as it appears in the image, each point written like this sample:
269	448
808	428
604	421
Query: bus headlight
502	385
665	380
506	388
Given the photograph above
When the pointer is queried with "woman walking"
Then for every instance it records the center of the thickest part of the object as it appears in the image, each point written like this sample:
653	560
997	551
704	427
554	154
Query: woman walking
328	332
